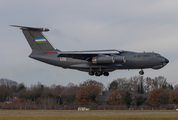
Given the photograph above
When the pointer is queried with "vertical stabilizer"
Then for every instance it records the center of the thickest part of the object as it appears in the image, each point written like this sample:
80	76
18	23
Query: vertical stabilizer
36	39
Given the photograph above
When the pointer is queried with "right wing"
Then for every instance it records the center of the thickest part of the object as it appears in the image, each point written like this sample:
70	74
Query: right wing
87	55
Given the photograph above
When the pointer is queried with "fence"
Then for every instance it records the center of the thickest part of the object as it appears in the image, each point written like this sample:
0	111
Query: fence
92	107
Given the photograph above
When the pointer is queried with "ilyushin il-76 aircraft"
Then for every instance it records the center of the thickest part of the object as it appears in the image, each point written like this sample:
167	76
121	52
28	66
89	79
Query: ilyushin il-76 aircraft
95	62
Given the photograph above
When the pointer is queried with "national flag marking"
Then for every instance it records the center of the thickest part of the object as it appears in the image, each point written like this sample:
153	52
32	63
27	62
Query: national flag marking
40	40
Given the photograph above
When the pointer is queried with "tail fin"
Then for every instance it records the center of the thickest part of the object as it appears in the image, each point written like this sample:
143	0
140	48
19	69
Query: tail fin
36	39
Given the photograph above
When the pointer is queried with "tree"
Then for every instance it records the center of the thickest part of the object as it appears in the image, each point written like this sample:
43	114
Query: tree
127	98
57	93
115	97
4	92
21	86
170	86
113	85
120	83
89	92
139	100
164	96
140	87
162	83
154	97
150	84
69	93
176	87
7	87
173	96
133	85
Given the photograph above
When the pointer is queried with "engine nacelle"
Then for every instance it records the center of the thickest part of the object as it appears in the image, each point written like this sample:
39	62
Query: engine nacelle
103	59
120	59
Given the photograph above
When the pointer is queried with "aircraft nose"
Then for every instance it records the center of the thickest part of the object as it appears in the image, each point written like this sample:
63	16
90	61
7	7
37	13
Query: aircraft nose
166	60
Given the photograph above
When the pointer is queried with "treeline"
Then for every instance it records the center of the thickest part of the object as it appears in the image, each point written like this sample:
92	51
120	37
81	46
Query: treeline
133	91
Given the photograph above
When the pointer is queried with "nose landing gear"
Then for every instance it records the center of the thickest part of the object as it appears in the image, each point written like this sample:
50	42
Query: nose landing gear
141	72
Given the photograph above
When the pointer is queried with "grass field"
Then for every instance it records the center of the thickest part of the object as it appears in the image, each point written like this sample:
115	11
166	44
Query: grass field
38	115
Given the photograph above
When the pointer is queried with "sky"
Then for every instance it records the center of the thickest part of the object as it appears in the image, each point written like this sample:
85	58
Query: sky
132	25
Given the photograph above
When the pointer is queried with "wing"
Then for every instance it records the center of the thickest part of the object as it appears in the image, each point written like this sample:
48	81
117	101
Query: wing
87	55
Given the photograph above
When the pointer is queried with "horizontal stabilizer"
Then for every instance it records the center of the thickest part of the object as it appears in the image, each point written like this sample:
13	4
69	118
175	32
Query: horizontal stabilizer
31	28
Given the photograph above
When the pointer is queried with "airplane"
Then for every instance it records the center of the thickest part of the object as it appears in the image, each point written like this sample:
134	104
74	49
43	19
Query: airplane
95	62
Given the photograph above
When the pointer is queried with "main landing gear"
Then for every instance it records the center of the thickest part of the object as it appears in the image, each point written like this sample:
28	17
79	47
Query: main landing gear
141	72
98	73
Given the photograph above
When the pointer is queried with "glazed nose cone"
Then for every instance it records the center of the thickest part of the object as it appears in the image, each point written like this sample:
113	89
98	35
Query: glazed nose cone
166	60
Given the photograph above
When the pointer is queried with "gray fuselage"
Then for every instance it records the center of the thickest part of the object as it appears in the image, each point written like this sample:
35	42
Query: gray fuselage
134	60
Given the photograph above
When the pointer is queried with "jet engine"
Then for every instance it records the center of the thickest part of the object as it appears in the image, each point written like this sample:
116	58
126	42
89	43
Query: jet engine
120	59
103	59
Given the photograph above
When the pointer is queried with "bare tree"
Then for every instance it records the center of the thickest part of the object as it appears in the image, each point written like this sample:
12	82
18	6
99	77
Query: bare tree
161	82
69	93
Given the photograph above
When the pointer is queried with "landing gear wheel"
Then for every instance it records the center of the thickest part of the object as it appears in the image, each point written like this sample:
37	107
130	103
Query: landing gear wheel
106	74
141	72
98	73
91	73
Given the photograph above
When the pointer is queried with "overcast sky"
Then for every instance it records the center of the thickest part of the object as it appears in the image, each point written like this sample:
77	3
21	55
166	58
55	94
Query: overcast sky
133	25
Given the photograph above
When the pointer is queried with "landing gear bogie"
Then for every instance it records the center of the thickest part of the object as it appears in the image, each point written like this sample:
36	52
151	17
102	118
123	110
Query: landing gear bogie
98	73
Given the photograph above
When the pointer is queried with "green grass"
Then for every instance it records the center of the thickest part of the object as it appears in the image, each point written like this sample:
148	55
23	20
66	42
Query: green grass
22	115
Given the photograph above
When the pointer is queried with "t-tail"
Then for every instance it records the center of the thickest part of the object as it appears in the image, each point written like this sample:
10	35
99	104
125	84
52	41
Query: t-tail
36	40
40	45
